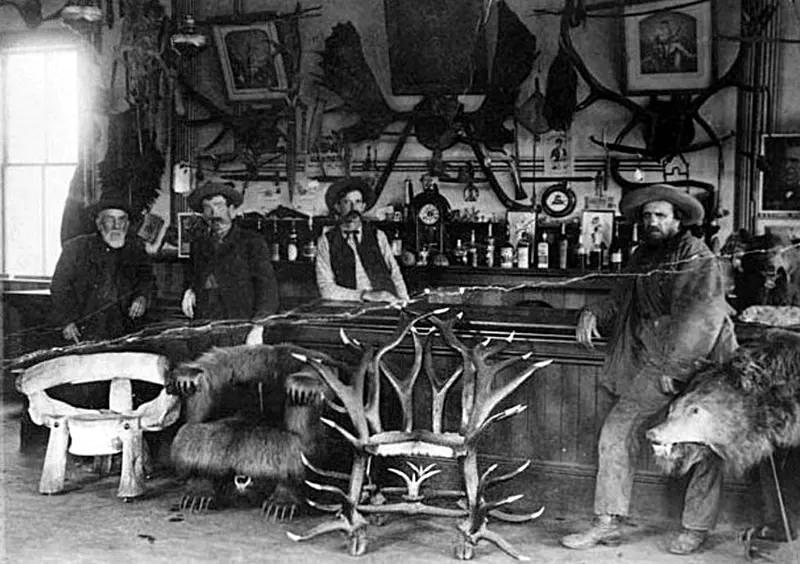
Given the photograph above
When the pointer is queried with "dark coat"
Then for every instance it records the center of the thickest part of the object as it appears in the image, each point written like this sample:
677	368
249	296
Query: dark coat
240	264
670	312
94	285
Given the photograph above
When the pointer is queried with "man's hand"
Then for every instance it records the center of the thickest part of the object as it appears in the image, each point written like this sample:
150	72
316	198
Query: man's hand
586	329
668	385
188	303
378	296
138	307
71	333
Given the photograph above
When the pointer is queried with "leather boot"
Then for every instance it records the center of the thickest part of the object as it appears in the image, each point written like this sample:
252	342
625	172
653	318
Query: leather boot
688	541
604	530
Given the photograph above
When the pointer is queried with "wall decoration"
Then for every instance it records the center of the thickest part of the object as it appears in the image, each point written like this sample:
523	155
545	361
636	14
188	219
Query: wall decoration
252	67
557	153
558	200
597	226
789	228
779	189
190	225
668	48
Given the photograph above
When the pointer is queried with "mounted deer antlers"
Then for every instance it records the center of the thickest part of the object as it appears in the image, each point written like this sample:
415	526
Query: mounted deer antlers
667	125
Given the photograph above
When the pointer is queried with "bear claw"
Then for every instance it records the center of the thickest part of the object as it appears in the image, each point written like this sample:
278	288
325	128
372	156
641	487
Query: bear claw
278	512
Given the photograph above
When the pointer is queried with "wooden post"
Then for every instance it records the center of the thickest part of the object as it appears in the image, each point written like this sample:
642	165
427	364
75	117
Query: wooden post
55	459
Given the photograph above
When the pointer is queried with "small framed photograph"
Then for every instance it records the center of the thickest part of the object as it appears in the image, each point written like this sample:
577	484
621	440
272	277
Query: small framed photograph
190	225
779	186
252	65
597	227
668	47
557	156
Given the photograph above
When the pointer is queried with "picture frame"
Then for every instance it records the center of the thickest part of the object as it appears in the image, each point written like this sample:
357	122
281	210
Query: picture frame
557	154
190	224
668	47
252	66
787	227
599	222
779	179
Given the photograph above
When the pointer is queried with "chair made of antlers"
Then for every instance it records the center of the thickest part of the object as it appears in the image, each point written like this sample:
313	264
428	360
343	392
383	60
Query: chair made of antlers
98	432
480	394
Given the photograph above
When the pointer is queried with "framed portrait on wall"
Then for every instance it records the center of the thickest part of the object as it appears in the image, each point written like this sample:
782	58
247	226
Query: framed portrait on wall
597	226
779	185
190	225
252	66
668	47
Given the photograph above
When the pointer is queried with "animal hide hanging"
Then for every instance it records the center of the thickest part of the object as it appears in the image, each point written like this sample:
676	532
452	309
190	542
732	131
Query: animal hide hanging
561	96
346	73
513	61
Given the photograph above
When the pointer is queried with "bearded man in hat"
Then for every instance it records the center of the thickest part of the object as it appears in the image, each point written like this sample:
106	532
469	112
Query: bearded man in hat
668	313
230	273
103	282
354	259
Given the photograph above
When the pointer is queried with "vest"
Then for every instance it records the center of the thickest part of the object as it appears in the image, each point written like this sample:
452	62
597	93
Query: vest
343	260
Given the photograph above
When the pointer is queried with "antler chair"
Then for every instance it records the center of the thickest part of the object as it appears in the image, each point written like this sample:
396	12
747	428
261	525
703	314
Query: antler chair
98	432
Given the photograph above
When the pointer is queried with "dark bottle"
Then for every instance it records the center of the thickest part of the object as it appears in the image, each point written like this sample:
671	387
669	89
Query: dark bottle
310	246
275	244
595	253
633	244
615	251
292	247
563	247
369	163
408	195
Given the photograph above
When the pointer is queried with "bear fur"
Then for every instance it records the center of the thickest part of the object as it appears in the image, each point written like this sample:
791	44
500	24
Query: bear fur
741	410
250	413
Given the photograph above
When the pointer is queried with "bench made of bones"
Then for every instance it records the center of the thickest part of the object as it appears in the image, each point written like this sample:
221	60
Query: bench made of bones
479	397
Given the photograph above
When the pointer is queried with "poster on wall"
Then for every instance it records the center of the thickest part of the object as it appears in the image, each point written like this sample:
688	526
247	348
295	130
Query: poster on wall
557	153
779	186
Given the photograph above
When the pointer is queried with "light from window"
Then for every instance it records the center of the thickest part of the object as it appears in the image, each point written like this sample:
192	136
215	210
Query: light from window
40	99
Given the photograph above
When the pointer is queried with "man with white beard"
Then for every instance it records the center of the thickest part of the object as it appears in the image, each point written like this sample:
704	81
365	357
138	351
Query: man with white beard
103	282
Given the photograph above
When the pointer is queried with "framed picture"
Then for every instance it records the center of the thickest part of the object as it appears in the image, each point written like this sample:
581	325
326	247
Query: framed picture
668	47
252	66
789	228
557	153
190	225
597	226
779	186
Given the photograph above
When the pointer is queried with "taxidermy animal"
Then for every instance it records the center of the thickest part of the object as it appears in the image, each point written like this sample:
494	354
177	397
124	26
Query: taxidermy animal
251	414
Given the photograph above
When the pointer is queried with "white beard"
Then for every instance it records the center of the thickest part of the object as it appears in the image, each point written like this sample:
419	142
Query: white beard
114	239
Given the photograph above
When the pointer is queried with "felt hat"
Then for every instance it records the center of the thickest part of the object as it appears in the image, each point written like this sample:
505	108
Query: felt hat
108	201
341	187
211	189
633	201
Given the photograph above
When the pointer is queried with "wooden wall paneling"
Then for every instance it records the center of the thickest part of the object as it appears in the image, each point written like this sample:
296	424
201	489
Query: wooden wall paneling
550	422
570	406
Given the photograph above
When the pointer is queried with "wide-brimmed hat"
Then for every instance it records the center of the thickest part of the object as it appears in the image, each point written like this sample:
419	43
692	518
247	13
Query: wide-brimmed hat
211	189
108	202
633	201
341	187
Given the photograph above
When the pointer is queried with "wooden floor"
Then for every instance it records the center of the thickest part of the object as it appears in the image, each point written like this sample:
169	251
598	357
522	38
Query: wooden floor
89	524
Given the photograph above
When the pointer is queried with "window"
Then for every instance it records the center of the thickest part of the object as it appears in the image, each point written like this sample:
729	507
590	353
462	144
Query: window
39	101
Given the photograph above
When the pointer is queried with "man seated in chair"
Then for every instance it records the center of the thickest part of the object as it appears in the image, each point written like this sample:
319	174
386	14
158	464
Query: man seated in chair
354	259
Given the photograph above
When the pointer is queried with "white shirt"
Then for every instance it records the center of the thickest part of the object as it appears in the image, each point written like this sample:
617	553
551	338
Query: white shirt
330	290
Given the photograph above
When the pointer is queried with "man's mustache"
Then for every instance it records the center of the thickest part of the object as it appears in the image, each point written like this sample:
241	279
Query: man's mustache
351	215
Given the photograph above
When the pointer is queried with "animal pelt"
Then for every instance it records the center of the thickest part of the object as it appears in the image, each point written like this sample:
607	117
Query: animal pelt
740	410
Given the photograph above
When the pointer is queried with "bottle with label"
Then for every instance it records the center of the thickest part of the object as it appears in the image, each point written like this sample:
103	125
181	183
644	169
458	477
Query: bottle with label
563	247
615	252
507	255
595	258
490	248
543	252
460	253
292	245
580	253
275	244
368	163
523	252
310	246
397	244
472	250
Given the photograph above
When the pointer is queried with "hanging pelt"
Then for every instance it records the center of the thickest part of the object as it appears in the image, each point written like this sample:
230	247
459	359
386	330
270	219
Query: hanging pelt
346	73
251	413
513	61
561	96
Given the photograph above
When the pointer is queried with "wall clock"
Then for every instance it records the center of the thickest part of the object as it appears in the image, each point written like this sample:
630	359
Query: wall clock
431	212
559	200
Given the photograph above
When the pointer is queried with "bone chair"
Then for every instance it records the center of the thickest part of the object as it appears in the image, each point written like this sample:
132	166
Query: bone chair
98	432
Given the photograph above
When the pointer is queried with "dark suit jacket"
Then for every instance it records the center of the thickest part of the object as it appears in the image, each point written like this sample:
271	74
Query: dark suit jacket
243	272
94	285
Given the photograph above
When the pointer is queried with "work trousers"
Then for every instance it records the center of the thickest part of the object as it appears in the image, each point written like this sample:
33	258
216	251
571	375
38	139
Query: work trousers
618	449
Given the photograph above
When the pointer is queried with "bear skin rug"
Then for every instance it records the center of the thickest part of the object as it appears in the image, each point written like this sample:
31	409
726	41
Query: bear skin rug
251	413
741	410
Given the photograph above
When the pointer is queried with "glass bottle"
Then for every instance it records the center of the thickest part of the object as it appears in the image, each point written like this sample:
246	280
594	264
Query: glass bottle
472	250
310	246
615	251
275	244
633	244
563	247
397	244
490	248
523	252
507	254
580	253
460	253
595	260
291	246
543	252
